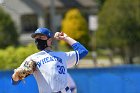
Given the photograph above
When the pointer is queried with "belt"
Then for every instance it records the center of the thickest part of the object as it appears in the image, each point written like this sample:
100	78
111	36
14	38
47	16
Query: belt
66	89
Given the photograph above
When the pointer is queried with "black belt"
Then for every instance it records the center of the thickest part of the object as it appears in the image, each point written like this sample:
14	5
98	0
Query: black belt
67	88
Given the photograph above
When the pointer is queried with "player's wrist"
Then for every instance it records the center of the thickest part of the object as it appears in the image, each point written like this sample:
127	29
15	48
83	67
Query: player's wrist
69	40
66	38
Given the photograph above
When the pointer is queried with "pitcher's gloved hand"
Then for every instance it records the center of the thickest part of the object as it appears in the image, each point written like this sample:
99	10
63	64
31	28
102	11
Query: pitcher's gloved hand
26	70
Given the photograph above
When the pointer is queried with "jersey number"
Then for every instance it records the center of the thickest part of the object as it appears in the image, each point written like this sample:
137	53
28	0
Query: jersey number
61	69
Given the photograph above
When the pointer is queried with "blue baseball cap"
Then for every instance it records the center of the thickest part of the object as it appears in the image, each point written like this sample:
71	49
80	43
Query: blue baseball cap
42	31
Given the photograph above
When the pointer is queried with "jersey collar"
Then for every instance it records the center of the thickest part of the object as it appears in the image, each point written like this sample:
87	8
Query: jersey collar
48	51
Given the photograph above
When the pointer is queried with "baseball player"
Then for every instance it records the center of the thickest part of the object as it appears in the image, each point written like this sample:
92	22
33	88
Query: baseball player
51	66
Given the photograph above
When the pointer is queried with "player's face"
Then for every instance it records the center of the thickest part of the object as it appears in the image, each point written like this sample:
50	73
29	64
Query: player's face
49	41
42	37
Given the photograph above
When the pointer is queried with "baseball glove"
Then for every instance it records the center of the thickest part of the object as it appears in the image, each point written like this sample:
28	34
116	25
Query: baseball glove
27	69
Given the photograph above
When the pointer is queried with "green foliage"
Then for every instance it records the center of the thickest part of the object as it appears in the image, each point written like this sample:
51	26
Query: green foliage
119	23
75	26
100	3
8	33
12	57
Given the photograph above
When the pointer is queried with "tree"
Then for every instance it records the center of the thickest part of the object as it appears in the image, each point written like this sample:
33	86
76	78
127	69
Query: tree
100	3
119	26
8	33
76	26
11	57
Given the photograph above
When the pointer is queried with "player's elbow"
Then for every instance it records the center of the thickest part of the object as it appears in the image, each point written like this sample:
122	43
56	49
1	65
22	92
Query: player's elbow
86	52
83	53
81	50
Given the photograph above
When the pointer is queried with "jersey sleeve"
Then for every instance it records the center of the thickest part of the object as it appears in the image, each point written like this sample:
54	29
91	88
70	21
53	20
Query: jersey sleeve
26	60
72	58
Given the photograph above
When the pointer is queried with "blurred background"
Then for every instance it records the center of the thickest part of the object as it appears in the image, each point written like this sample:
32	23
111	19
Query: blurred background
109	29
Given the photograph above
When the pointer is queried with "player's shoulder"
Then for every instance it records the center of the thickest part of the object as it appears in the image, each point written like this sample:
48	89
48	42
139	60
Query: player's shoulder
60	53
38	53
35	54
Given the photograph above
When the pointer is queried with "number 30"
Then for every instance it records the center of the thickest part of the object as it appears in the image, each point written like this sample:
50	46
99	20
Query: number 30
61	69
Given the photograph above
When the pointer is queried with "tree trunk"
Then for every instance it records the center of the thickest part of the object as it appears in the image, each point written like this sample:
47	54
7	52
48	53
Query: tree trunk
128	57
